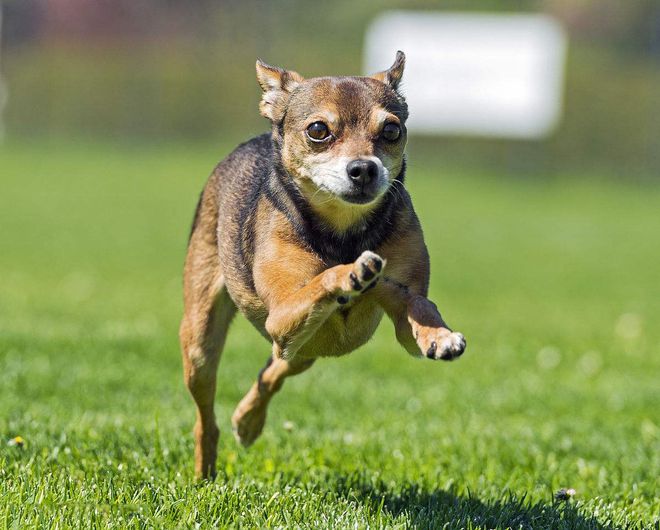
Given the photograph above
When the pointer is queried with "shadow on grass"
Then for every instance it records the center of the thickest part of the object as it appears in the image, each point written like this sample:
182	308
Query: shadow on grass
442	509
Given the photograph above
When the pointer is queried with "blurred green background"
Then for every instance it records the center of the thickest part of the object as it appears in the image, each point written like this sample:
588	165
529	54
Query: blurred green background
544	253
150	70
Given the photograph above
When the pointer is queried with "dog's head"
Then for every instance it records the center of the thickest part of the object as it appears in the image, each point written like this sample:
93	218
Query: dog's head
341	139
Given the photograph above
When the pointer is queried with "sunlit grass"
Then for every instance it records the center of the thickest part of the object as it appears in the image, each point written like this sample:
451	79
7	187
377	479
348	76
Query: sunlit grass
554	284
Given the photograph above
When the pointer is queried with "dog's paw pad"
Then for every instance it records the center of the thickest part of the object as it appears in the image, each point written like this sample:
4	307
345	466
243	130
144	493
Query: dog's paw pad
450	347
366	273
355	283
367	270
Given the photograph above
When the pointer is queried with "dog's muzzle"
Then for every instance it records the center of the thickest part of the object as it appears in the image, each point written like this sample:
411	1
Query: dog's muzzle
364	176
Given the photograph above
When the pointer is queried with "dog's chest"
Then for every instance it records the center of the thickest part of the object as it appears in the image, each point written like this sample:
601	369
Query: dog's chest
346	329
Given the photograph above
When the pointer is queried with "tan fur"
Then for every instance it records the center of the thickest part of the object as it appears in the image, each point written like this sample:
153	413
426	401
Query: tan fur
208	311
307	301
250	415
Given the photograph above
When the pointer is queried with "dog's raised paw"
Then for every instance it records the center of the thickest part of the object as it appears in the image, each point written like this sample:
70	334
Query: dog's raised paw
446	347
367	269
362	275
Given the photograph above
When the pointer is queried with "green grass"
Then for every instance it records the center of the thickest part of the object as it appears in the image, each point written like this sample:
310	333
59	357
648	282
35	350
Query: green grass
555	284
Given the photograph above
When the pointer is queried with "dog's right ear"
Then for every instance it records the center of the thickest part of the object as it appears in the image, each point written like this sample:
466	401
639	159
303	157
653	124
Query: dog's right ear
277	84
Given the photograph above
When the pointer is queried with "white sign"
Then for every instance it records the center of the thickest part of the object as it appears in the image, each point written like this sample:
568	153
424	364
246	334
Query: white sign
474	74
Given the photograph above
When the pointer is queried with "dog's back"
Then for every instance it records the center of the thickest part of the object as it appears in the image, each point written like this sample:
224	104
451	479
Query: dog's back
226	214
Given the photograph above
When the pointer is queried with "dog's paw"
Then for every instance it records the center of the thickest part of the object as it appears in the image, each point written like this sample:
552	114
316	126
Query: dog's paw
440	343
247	423
365	273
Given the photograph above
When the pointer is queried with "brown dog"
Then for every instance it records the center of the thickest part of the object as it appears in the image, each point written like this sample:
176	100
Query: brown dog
295	228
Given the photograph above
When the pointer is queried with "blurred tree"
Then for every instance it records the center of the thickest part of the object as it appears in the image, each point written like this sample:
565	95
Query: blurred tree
154	69
624	26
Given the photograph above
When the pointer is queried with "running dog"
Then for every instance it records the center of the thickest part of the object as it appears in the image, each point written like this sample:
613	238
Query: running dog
310	233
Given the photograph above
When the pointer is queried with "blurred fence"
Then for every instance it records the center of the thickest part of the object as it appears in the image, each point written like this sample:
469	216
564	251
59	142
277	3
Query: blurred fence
148	70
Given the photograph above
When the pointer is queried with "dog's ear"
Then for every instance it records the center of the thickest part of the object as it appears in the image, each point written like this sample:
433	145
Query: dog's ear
392	76
277	84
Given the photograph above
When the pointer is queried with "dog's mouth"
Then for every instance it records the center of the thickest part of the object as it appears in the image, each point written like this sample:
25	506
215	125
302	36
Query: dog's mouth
355	195
359	197
341	208
359	193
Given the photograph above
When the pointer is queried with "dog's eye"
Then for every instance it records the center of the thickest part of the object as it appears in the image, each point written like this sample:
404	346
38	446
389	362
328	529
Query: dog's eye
318	131
391	131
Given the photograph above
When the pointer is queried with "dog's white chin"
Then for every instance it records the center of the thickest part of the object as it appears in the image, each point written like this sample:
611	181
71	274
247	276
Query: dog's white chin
333	196
339	213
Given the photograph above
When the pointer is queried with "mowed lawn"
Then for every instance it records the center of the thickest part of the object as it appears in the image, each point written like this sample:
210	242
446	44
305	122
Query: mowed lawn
556	285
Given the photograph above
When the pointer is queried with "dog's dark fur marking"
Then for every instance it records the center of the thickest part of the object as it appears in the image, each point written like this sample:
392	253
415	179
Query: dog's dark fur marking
394	282
196	216
344	312
260	375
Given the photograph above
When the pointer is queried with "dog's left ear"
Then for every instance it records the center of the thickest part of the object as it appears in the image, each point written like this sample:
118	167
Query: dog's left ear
392	76
277	84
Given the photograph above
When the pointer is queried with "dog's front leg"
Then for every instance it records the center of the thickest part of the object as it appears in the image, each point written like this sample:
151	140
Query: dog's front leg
419	326
295	314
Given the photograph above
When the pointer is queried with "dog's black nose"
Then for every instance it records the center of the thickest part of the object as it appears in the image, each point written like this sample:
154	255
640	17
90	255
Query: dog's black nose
362	171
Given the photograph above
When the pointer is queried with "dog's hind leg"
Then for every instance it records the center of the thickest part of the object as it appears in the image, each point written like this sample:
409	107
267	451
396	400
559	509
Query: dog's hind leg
250	415
208	311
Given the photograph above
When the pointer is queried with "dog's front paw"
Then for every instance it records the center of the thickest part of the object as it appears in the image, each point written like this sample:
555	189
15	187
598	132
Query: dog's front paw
440	343
365	273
